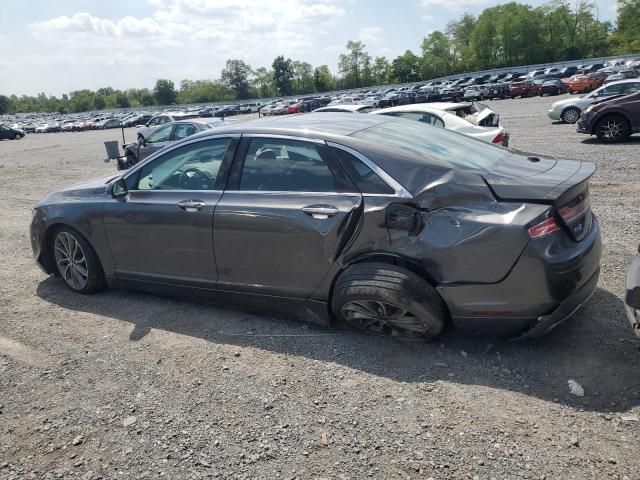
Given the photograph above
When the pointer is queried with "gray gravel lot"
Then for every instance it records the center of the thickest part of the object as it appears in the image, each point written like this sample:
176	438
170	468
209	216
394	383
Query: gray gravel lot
125	385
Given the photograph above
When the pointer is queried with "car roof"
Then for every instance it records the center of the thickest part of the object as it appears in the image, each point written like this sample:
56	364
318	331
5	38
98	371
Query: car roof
310	125
352	107
418	107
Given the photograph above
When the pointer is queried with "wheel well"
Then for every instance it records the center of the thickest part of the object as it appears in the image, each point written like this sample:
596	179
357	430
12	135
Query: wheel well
570	107
396	260
47	253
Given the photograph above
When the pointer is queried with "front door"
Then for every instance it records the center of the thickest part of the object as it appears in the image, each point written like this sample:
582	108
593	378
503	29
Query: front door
284	216
162	230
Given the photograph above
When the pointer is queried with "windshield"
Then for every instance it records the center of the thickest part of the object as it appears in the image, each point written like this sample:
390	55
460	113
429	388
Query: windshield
433	142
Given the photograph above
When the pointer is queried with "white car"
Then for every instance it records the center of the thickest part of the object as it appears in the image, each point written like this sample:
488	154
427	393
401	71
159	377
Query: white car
472	119
570	109
349	108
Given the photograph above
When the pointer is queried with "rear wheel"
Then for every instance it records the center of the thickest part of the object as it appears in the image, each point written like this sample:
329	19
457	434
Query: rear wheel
388	300
76	261
612	129
570	115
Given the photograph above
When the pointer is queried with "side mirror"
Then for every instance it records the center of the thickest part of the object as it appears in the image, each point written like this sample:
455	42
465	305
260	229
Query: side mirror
119	188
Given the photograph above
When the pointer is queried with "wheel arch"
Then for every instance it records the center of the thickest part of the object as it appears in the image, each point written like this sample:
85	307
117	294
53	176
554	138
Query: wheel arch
606	114
390	259
47	244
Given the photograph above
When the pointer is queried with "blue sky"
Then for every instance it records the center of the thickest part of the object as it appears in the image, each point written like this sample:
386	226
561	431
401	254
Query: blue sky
56	47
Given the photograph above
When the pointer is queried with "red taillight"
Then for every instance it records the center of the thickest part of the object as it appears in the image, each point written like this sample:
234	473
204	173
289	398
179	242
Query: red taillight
544	228
499	139
569	214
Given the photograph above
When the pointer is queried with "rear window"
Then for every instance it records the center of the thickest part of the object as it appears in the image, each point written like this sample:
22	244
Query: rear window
437	143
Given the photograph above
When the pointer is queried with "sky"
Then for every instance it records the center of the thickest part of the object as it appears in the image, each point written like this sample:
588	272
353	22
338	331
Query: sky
65	45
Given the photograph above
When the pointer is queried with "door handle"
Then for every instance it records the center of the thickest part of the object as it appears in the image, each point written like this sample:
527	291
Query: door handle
320	211
191	205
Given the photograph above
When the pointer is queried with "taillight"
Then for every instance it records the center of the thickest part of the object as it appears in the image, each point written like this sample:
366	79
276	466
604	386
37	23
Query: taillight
569	214
499	139
544	228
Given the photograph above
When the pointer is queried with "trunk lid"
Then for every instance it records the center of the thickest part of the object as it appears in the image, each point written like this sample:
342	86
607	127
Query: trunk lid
562	184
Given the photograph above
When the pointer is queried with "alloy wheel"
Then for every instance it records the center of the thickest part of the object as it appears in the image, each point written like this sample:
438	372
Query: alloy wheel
71	261
612	130
571	115
382	318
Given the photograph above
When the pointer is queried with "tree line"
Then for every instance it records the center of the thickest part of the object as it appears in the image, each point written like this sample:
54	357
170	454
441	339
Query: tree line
502	36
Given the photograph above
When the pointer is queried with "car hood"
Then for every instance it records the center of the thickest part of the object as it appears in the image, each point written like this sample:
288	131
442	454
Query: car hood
578	102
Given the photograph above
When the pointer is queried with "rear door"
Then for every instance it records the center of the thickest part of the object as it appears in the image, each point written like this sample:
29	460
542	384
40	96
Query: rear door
279	225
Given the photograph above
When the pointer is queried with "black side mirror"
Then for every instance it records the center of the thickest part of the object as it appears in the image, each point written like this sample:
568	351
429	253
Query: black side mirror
119	188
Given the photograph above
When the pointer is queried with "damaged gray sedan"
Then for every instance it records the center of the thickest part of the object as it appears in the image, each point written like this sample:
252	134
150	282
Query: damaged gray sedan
392	226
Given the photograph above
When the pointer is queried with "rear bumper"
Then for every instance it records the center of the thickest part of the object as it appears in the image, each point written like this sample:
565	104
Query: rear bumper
551	280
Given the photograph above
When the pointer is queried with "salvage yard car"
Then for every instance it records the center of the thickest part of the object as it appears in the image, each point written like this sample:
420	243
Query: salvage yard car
392	226
10	133
479	123
569	110
612	120
163	136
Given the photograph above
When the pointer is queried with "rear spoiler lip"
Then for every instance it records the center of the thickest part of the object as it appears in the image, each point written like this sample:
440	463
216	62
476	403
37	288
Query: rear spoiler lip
562	192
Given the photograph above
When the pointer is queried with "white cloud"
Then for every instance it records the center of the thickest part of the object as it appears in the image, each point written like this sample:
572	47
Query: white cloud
371	36
87	23
427	18
452	4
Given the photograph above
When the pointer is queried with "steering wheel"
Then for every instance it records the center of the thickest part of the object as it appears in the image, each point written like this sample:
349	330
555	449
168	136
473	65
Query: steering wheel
194	179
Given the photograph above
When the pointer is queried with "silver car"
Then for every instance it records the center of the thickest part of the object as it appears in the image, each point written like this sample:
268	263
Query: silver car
570	109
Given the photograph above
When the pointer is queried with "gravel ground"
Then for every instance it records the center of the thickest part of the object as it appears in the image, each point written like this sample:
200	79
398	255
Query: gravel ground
125	385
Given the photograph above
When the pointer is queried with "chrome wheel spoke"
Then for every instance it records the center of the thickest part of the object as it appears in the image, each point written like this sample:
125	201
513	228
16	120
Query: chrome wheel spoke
71	260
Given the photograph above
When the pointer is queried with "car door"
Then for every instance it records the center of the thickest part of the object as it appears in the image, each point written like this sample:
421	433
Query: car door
161	231
283	217
157	140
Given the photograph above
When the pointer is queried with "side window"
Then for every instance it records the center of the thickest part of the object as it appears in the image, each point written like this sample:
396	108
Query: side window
191	167
285	165
154	121
610	90
184	130
631	87
365	179
162	134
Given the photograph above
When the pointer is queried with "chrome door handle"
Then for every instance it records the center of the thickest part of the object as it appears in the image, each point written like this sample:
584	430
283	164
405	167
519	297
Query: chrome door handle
191	205
320	211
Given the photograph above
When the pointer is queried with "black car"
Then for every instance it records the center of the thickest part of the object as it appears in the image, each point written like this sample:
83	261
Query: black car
567	72
395	98
450	93
10	133
393	226
498	90
553	87
163	136
594	67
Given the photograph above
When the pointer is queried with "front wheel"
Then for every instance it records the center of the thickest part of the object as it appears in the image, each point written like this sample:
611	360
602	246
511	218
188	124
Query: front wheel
76	261
17	136
385	299
612	129
570	115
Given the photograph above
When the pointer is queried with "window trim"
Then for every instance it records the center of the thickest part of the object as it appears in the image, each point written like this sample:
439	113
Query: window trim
241	154
223	174
399	190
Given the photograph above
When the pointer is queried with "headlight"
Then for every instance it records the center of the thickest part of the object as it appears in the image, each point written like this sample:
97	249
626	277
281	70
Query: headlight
589	108
34	212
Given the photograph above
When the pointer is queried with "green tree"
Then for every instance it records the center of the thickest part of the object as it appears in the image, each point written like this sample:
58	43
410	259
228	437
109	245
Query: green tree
235	76
380	70
283	75
302	77
626	37
350	64
5	104
437	57
322	79
406	67
263	82
165	92
459	34
99	102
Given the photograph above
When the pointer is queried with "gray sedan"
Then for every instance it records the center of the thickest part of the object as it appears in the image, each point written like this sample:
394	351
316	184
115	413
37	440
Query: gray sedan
392	226
163	136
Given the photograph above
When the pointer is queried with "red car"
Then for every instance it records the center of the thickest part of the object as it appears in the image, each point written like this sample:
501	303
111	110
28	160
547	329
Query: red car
293	107
523	89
